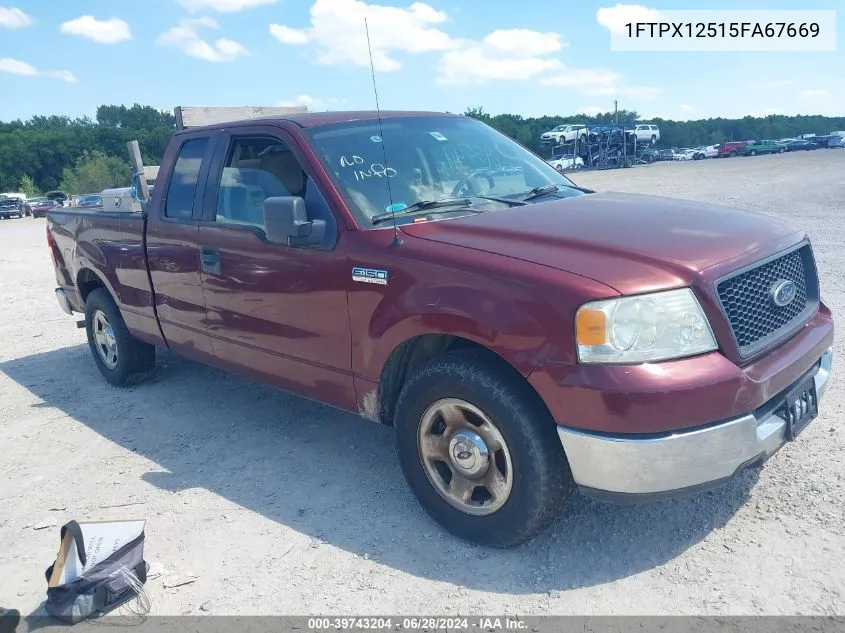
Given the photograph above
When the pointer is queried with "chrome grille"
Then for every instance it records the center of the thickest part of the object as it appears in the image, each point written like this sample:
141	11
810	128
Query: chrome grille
746	299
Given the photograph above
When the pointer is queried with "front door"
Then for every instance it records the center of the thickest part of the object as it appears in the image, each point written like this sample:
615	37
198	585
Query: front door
275	312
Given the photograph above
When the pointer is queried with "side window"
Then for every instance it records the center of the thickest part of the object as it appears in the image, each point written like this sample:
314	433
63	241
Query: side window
183	184
258	168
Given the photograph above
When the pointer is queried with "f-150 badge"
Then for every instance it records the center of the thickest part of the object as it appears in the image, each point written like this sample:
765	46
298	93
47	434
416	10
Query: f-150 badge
369	276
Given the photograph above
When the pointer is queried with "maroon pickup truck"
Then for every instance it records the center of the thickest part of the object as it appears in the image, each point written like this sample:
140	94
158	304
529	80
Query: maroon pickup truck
526	338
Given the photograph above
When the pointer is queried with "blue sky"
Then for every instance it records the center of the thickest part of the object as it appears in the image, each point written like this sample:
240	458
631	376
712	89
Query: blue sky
529	57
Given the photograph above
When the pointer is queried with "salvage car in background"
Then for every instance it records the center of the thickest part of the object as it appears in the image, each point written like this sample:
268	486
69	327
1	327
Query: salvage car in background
730	149
89	200
801	144
762	147
566	162
41	206
12	206
646	133
564	134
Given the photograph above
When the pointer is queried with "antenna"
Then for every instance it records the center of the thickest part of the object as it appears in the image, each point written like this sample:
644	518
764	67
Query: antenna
397	241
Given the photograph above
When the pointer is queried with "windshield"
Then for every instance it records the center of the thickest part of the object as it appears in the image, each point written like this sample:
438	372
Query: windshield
428	159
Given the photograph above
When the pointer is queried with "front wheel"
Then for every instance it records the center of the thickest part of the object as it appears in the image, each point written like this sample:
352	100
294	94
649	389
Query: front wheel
119	356
781	150
480	451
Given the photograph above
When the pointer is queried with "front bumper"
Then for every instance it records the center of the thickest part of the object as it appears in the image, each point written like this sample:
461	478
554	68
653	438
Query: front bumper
624	468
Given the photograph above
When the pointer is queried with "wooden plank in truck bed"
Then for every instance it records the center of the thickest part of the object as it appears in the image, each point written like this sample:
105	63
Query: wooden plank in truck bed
189	116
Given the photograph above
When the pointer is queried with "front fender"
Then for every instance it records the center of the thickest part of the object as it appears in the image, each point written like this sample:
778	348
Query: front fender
513	325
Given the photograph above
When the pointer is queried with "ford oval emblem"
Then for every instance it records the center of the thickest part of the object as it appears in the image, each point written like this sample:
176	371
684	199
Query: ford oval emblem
783	292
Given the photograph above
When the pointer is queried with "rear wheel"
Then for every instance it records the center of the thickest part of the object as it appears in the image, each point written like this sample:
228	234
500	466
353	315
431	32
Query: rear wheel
118	355
480	451
781	150
752	153
732	154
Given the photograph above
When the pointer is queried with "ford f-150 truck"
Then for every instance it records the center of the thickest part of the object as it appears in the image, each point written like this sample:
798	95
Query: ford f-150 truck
525	337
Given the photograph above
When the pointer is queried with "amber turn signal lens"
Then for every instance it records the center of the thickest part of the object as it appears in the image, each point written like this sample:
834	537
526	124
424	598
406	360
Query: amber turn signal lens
591	327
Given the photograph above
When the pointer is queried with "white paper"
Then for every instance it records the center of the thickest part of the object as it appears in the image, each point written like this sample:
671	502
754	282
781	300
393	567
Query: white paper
101	541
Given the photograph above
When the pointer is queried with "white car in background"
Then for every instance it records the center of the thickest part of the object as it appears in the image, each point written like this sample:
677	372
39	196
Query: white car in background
708	151
646	133
566	162
684	154
564	133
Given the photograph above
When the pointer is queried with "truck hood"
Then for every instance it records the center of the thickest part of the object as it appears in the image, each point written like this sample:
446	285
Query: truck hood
632	243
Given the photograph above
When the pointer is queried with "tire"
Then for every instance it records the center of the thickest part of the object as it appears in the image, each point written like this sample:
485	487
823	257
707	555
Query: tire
649	159
131	356
752	153
583	139
653	139
536	467
781	150
732	154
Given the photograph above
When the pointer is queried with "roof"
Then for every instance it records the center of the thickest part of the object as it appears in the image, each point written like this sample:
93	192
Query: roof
315	119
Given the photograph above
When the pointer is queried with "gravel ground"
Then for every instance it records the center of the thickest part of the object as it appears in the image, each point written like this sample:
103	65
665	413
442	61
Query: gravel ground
274	504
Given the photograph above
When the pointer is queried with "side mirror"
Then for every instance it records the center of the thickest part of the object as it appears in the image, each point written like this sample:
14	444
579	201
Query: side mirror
285	222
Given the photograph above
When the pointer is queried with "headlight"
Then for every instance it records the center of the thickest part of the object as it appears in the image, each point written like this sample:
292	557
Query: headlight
644	328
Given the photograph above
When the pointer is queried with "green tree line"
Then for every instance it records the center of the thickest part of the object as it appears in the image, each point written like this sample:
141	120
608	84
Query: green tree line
527	130
83	155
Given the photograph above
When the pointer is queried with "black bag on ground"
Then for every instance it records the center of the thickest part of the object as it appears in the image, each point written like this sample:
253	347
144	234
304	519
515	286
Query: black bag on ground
105	586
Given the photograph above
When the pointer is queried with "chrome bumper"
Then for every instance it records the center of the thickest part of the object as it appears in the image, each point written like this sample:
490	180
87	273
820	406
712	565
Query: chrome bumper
607	467
64	304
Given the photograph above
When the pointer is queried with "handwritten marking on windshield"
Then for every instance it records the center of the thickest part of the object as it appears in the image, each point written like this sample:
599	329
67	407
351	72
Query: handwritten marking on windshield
351	162
376	169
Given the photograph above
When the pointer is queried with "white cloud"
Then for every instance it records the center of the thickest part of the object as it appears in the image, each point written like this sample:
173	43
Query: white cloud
615	18
478	65
13	18
287	35
524	42
337	30
814	93
16	67
687	107
223	6
598	82
313	103
109	31
509	54
186	38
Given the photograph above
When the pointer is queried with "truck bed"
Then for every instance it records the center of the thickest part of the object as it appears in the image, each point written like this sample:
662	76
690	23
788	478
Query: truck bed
94	247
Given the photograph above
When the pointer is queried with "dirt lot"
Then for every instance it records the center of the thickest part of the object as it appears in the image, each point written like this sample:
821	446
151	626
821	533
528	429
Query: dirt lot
274	504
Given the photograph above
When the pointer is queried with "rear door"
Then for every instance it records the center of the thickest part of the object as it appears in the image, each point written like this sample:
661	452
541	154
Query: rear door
275	312
172	253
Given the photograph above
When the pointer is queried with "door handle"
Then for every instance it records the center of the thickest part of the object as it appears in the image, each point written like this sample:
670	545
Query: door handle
210	260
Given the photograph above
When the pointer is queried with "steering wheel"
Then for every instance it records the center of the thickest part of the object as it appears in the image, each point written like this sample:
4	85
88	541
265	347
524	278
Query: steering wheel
467	185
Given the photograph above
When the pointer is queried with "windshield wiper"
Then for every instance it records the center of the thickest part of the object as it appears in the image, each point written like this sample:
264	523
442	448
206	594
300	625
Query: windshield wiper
510	201
538	192
425	206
